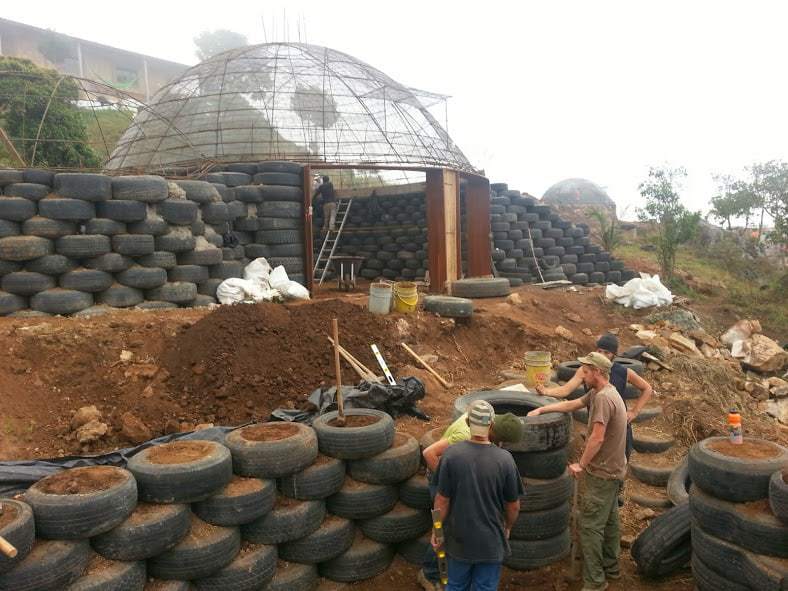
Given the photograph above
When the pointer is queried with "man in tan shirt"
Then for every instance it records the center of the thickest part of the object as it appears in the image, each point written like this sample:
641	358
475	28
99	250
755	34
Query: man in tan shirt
603	465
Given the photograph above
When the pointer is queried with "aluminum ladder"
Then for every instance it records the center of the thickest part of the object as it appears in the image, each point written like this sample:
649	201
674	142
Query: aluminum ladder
331	241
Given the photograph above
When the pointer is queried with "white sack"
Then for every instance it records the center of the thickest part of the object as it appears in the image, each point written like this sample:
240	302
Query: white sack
258	270
236	290
642	292
290	290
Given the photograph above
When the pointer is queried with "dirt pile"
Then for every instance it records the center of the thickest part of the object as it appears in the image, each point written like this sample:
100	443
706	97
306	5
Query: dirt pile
268	355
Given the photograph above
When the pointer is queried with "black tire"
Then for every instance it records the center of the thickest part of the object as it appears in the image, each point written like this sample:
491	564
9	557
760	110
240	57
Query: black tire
400	524
415	492
26	283
10	303
53	264
151	305
69	515
707	579
648	413
162	585
175	293
61	301
566	370
540	433
142	277
289	520
272	450
103	575
292	576
653	499
160	258
133	245
334	536
651	442
59	208
88	280
9	229
476	287
19	531
354	443
85	186
282	193
679	483
541	525
16	209
280	178
318	481
359	500
147	532
188	274
737	479
207	256
242	501
633	364
83	246
49	566
536	554
143	188
251	570
32	191
209	287
750	526
448	306
180	212
111	262
664	546
288	210
24	248
396	464
207	471
287	250
202	301
153	225
100	226
414	551
36	175
544	465
249	194
544	494
280	166
279	224
176	240
641	467
205	550
122	210
199	191
778	495
226	270
215	213
363	560
753	571
120	296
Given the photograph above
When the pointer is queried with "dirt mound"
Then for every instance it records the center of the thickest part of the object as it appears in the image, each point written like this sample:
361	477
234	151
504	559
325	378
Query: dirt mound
268	355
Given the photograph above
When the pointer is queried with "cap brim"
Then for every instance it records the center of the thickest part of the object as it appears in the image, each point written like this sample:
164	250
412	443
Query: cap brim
479	430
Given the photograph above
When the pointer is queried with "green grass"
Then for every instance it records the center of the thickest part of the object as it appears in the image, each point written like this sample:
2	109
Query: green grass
105	126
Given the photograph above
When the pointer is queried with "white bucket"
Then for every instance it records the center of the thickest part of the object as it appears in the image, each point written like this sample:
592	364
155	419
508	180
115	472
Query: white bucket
379	298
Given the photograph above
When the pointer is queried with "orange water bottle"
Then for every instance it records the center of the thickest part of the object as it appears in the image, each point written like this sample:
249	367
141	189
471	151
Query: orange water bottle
734	427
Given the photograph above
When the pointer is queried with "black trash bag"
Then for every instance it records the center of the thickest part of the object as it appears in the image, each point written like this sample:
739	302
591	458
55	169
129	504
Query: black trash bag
395	400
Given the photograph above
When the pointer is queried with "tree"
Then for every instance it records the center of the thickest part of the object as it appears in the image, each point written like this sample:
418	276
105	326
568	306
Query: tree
211	43
675	223
770	186
27	92
608	228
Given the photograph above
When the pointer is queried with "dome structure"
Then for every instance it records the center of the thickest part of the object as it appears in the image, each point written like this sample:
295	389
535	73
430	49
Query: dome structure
577	192
286	101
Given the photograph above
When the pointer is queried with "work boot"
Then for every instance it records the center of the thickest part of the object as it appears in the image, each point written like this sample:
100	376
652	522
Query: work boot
613	575
426	584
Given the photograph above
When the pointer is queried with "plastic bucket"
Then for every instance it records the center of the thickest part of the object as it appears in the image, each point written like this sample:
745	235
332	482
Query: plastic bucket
537	368
379	298
406	296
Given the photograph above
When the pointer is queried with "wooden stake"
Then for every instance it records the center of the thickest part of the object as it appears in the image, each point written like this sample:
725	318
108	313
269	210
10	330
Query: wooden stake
7	548
10	147
340	406
426	366
349	359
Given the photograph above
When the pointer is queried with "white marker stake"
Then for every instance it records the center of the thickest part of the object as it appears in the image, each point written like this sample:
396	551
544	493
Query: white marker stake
383	366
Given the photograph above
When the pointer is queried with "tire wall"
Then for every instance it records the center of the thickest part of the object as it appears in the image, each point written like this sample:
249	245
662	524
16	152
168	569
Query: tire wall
88	239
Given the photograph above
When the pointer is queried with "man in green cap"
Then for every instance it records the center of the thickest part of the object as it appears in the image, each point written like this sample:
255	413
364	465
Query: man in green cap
603	465
507	428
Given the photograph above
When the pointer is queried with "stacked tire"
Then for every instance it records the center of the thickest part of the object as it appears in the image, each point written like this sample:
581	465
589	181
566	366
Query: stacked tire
541	534
274	506
738	518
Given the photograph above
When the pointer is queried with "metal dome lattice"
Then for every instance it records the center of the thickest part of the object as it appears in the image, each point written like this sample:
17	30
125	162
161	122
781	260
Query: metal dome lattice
287	101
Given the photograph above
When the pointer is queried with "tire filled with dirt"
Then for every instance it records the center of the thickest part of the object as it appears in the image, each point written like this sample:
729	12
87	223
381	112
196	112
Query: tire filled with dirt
272	450
366	433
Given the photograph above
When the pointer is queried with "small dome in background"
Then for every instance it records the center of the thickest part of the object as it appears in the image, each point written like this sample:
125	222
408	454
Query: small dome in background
577	192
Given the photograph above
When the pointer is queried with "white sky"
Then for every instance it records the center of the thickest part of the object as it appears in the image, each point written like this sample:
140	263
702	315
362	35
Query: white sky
541	90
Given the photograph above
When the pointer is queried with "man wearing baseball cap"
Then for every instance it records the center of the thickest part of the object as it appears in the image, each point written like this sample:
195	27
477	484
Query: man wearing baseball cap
603	465
478	497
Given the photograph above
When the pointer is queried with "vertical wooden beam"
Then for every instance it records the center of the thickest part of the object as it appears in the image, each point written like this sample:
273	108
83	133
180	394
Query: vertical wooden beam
477	211
443	226
309	252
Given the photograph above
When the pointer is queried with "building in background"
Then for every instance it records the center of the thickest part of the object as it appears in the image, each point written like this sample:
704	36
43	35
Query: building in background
133	73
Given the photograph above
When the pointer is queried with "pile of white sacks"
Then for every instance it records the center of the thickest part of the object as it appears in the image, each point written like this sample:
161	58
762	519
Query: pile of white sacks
260	283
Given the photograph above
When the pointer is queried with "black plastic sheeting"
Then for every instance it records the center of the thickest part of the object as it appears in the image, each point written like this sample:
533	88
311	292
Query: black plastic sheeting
395	400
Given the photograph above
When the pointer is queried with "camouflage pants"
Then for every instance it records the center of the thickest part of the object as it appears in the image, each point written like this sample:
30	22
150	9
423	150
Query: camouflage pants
600	536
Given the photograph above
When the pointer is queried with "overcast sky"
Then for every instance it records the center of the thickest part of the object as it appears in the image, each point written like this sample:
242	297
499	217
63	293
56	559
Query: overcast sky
541	91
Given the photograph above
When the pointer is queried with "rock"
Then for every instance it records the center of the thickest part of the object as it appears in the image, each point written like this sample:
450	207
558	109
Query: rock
644	514
587	332
636	327
171	426
710	352
514	299
133	429
85	415
682	343
780	393
645	336
126	356
91	431
757	390
777	409
403	328
627	541
775	382
684	319
760	353
202	426
429	358
564	333
701	336
573	317
741	331
148	391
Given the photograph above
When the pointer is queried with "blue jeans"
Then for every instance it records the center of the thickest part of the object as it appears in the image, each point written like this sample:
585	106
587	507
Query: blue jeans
481	576
430	564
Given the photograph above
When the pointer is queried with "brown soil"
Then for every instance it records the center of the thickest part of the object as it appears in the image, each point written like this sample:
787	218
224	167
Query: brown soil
80	481
145	511
241	486
651	432
283	501
10	512
748	449
355	421
665	459
400	439
351	484
200	529
98	564
179	452
269	432
759	507
322	460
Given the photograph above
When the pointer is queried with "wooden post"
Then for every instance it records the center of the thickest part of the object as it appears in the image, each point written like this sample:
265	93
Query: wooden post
443	226
340	405
477	211
309	249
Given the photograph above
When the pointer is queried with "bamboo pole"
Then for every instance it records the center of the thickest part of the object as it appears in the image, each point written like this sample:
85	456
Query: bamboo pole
340	406
7	548
426	366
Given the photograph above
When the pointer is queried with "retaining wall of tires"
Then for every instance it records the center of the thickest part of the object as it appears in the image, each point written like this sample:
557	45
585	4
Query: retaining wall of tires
72	241
273	507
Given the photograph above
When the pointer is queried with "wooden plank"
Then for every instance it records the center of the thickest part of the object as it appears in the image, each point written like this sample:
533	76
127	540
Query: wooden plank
309	253
451	208
477	212
436	230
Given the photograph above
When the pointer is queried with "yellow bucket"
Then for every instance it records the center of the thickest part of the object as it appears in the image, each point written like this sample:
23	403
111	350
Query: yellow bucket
537	368
406	296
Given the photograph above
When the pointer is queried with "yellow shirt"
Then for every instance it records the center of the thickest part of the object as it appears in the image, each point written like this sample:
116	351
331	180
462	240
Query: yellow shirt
458	431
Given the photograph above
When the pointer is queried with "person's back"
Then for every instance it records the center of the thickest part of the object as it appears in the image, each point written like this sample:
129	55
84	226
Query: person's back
327	192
